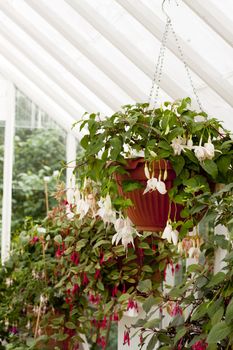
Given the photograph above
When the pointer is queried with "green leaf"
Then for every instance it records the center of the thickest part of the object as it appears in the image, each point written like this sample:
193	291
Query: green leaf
129	185
219	331
70	325
152	323
144	286
217	317
100	285
58	239
152	342
148	303
123	297
210	167
199	312
229	312
80	244
116	144
181	332
178	164
216	279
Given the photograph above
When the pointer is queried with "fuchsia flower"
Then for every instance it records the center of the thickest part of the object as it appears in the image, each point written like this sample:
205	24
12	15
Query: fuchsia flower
132	308
75	258
126	338
200	345
34	240
114	291
75	289
101	258
60	251
115	316
97	274
102	342
94	299
85	280
177	310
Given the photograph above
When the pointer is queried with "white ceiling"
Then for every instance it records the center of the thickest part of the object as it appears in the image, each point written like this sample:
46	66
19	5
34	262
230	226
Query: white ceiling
72	56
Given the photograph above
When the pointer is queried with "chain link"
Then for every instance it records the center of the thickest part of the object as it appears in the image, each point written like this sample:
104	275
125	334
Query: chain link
159	67
186	67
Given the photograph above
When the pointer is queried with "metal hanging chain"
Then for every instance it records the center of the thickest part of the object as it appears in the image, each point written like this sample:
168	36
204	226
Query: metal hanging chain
186	67
159	66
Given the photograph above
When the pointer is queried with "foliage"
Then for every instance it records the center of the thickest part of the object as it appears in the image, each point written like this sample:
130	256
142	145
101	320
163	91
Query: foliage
199	149
201	307
66	279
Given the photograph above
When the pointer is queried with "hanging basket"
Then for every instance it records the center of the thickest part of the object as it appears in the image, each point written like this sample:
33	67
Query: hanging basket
150	210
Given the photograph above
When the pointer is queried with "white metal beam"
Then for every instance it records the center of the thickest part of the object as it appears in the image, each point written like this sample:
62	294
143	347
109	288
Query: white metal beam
61	56
7	169
54	74
21	63
79	42
125	46
214	17
195	61
38	96
70	161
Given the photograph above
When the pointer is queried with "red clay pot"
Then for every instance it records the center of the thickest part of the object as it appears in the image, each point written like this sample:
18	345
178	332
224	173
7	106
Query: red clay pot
150	210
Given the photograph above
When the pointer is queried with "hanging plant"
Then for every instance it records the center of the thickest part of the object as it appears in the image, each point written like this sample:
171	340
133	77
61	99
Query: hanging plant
156	163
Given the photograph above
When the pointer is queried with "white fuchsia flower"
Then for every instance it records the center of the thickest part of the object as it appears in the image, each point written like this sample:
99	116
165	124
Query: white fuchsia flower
41	230
178	144
204	152
106	211
209	149
194	252
155	184
124	232
82	208
200	153
170	234
199	118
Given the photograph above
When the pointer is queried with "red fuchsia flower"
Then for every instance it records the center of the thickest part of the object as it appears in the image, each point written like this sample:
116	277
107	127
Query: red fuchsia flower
94	299
60	251
114	291
13	330
177	267
85	280
200	345
154	247
177	310
179	347
34	240
115	316
103	323
97	274
132	305
101	258
126	338
172	267
102	342
75	258
75	289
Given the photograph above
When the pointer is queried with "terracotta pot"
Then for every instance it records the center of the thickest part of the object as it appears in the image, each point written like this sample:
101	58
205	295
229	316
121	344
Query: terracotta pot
150	210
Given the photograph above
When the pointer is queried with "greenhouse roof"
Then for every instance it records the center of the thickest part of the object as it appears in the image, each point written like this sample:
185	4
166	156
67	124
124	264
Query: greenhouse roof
72	56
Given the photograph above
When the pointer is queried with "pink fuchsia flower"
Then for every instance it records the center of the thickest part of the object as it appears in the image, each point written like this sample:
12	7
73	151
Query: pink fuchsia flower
94	299
126	339
101	341
200	345
177	310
